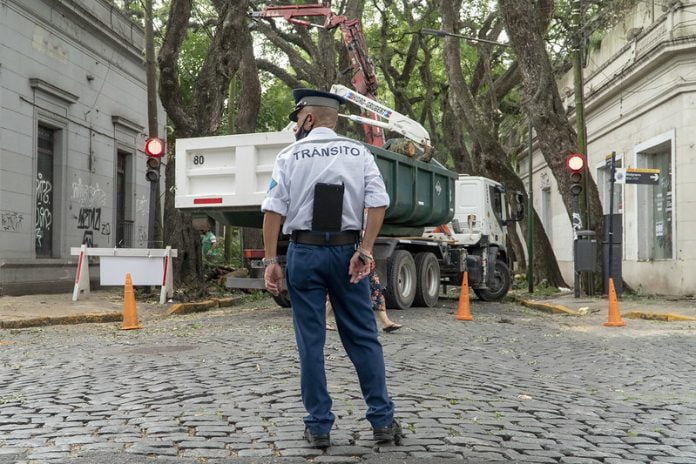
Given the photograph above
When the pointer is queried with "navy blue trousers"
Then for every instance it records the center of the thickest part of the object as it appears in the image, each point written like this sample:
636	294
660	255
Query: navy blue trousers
311	272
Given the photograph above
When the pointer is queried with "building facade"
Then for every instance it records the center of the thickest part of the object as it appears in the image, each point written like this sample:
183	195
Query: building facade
640	102
73	117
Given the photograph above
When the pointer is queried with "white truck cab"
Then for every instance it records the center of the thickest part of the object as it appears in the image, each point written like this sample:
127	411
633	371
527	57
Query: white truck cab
479	224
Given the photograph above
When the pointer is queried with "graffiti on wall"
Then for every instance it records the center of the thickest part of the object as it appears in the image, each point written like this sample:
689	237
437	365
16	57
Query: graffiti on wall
44	214
142	236
142	206
89	221
88	195
91	199
11	221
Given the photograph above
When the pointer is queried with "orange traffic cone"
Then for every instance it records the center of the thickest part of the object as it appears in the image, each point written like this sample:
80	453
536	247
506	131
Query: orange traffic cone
614	315
130	313
463	310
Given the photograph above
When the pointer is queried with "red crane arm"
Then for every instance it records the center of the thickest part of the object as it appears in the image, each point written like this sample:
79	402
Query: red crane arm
364	77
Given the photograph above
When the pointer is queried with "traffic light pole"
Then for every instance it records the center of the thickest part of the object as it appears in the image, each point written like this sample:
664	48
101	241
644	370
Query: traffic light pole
612	181
151	115
151	216
577	225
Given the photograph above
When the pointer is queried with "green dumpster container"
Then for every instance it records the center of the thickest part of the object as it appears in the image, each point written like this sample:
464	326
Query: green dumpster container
421	194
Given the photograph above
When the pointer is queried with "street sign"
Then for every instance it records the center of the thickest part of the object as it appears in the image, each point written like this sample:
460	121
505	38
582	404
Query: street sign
637	176
607	161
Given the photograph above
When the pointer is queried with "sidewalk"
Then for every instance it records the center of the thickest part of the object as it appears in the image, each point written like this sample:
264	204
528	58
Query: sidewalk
104	305
659	308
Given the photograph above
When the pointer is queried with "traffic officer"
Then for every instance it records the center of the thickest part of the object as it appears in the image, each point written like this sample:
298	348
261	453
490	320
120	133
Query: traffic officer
320	186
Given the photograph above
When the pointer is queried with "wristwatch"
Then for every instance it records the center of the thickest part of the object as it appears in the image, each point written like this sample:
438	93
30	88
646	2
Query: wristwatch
269	261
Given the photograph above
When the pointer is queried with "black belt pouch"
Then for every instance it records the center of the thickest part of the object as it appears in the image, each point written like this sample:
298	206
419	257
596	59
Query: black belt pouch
328	207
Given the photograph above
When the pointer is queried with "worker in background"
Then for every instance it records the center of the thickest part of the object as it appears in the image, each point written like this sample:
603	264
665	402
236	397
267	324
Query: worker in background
209	242
320	185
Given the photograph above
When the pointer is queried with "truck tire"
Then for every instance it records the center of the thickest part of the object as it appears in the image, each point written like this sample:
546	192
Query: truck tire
500	286
400	288
428	281
283	299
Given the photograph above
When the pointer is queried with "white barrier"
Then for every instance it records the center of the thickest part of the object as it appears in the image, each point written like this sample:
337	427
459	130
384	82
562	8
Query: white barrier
146	266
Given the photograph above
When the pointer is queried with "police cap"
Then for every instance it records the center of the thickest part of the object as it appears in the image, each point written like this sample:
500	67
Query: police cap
311	97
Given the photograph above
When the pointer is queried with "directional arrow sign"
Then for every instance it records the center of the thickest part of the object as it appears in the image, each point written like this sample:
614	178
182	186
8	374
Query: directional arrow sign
641	176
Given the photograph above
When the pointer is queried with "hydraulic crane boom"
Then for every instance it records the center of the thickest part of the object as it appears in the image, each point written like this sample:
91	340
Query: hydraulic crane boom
364	77
396	122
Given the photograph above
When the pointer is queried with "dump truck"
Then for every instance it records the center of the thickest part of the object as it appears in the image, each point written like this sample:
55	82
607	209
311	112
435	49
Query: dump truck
226	177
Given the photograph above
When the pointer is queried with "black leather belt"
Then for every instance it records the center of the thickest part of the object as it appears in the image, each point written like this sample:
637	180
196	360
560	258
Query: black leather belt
308	237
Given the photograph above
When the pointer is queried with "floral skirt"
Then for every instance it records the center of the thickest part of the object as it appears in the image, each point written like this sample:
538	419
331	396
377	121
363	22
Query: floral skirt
377	293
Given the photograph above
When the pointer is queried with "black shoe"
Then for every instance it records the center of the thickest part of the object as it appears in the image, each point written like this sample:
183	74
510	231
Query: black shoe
317	441
391	432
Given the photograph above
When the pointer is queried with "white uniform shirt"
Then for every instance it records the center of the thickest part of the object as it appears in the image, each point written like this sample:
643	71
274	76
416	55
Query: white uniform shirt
324	157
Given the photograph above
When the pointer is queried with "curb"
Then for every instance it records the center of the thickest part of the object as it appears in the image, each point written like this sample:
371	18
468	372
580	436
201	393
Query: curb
545	307
553	308
202	306
664	317
116	316
62	320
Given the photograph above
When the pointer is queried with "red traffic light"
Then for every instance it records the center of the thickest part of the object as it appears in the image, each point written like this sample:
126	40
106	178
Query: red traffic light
154	146
575	162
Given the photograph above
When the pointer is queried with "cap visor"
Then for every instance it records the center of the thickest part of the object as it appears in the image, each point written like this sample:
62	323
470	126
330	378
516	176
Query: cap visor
293	116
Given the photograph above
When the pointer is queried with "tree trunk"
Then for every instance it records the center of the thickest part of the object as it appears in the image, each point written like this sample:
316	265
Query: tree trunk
495	161
452	132
200	117
188	266
526	23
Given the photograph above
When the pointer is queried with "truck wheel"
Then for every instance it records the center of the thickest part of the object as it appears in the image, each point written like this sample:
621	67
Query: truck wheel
283	299
401	280
428	282
500	285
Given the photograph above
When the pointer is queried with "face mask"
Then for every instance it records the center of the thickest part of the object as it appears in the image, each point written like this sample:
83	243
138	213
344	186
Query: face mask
301	131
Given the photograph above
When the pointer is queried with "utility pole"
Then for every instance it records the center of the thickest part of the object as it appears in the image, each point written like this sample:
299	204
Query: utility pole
151	116
530	217
578	80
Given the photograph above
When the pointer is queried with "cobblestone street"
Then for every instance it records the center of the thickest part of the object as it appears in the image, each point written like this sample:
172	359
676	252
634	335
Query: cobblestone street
513	385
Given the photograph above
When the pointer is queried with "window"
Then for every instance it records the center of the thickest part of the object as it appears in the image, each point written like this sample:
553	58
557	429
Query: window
655	207
124	226
497	200
604	186
44	224
546	214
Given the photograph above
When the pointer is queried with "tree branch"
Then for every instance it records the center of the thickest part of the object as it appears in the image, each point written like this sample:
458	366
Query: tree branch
289	80
302	68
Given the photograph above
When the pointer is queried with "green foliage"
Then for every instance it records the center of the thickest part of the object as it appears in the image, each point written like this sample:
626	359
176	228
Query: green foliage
541	289
588	20
218	256
133	9
276	104
193	53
